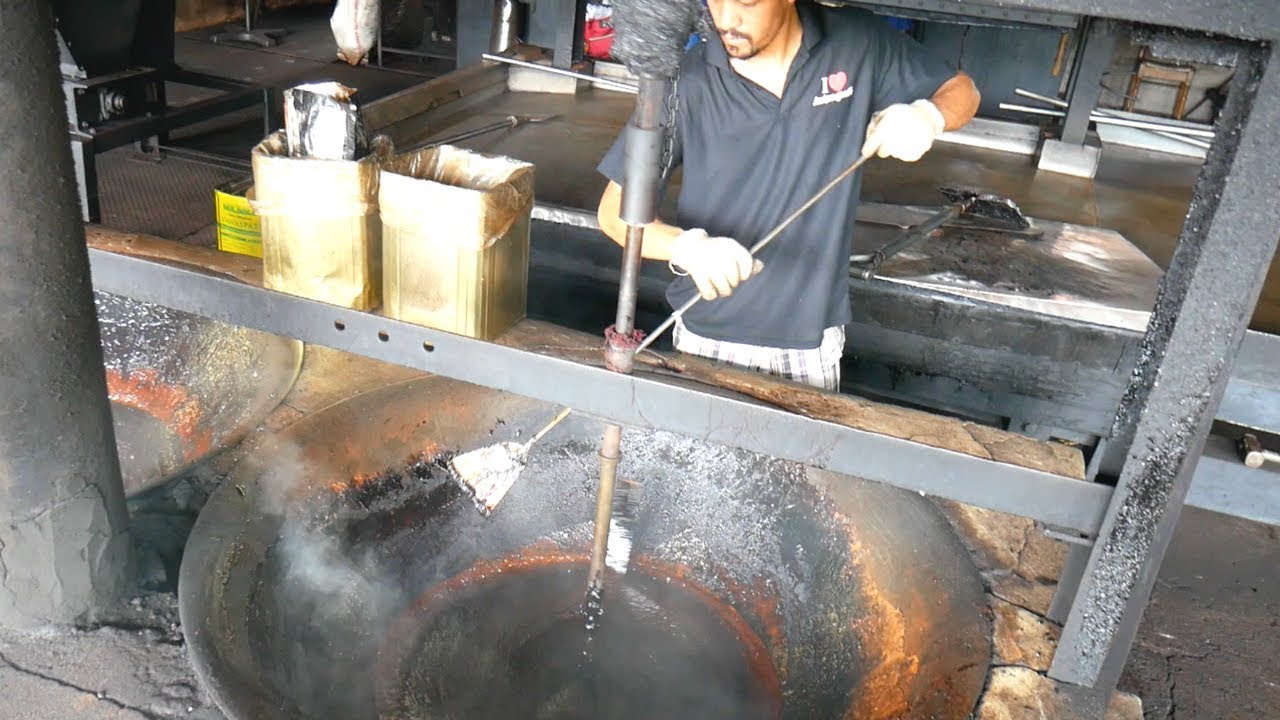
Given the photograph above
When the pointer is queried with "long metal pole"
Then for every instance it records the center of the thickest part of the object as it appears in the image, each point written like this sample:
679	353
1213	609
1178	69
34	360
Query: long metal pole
593	79
1174	132
1160	129
639	208
65	551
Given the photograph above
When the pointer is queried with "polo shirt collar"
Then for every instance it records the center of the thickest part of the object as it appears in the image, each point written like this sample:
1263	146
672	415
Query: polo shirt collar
810	24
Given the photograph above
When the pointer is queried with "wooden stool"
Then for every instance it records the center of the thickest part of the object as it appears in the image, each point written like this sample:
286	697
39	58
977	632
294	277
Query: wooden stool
1159	73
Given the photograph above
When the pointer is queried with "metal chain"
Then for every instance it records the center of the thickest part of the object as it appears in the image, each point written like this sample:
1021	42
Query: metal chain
669	137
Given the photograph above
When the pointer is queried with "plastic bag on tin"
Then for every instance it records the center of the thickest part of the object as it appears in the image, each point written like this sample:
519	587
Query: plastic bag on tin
469	197
322	121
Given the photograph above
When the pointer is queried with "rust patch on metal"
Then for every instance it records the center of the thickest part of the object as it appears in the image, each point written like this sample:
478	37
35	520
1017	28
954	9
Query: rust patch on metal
886	685
171	405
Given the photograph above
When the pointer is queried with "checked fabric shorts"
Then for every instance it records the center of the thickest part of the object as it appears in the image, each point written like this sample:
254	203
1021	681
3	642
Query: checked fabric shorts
819	367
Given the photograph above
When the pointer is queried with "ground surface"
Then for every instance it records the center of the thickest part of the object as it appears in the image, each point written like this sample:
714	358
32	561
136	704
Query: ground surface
135	667
1208	643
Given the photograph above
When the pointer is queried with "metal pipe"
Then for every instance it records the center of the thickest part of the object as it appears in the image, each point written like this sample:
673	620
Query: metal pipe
65	551
1058	102
642	154
504	31
610	456
1182	139
1254	455
1144	125
625	320
603	82
1182	133
1032	110
905	239
639	208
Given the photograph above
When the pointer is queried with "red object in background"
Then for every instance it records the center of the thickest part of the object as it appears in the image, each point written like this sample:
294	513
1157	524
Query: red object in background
598	37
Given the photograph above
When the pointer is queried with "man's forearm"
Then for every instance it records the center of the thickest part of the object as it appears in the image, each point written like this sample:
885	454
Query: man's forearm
957	100
658	236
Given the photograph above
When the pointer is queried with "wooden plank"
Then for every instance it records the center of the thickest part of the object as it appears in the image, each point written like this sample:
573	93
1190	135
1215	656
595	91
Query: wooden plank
848	410
241	267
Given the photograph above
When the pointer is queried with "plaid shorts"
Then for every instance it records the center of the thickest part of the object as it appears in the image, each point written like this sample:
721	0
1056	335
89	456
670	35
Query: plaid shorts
819	367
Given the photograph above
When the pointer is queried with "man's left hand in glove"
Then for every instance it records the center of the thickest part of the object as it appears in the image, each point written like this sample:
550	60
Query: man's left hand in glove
904	131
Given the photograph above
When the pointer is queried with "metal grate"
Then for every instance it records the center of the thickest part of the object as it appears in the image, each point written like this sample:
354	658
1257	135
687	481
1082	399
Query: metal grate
165	196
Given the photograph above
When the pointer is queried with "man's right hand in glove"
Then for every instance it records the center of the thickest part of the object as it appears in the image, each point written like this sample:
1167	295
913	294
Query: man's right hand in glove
716	265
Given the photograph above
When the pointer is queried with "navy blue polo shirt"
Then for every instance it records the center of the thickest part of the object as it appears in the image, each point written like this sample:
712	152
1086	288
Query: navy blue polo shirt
750	159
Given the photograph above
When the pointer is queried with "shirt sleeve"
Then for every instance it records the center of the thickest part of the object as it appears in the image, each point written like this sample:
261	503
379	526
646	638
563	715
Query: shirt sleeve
905	70
613	166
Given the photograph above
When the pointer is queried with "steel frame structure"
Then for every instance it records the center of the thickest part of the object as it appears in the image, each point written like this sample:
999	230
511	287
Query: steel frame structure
1162	424
1199	321
152	128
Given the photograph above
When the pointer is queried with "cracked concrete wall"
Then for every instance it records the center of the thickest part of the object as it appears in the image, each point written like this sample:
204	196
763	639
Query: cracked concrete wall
65	553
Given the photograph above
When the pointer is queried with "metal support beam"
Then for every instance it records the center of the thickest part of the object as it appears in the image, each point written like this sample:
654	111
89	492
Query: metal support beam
1069	582
1093	57
644	401
65	553
1225	484
152	129
1203	309
1247	19
569	22
84	163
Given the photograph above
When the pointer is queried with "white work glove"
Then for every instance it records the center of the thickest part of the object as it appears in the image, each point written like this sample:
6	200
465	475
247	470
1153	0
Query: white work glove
905	132
715	264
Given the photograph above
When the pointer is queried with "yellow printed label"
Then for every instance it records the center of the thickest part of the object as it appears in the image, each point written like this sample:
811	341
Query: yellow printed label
239	230
242	247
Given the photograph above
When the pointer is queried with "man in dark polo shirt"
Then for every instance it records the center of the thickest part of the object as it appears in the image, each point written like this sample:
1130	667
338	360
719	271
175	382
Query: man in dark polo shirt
788	96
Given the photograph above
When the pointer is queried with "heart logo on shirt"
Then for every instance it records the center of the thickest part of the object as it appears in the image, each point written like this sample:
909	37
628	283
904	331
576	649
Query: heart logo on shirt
837	81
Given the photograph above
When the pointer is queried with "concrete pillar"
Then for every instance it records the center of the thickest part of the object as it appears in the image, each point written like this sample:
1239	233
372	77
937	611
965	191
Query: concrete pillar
65	551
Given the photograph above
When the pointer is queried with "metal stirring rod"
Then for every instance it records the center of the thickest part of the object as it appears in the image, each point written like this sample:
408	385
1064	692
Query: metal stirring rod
770	237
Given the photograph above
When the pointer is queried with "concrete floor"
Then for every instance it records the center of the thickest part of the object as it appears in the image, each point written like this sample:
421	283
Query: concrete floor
1206	648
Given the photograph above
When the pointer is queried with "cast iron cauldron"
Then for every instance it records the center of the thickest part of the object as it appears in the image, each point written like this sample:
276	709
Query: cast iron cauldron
183	387
316	584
